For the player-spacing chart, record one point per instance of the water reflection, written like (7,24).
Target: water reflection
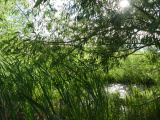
(122,89)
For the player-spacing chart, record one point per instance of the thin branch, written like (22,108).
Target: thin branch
(140,9)
(23,12)
(149,101)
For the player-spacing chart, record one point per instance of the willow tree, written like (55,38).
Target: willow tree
(109,31)
(42,51)
(100,28)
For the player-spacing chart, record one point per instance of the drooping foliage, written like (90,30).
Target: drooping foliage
(114,32)
(54,61)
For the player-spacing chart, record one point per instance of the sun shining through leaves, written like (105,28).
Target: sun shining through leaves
(124,3)
(79,59)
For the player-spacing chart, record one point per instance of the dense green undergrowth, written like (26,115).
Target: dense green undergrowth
(137,69)
(34,88)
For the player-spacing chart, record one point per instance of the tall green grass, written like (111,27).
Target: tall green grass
(33,89)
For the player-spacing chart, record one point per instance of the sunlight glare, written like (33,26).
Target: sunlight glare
(124,3)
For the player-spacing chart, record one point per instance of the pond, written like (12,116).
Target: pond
(122,89)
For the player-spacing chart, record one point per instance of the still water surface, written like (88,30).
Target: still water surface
(122,89)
